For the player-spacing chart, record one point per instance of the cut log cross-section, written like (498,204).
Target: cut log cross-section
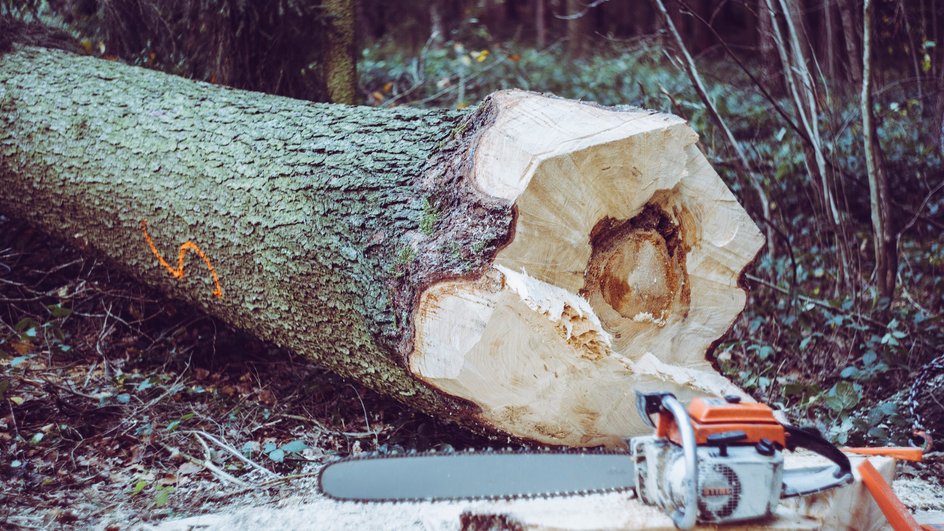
(521,268)
(621,273)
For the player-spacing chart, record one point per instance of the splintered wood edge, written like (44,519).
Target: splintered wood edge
(623,271)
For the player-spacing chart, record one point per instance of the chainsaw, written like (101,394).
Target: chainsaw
(719,461)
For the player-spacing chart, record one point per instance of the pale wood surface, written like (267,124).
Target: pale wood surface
(583,306)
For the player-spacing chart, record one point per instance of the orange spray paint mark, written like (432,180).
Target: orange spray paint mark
(178,272)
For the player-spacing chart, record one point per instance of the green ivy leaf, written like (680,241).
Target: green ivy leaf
(294,447)
(19,360)
(890,340)
(138,487)
(881,412)
(162,496)
(26,323)
(56,310)
(843,396)
(249,448)
(277,455)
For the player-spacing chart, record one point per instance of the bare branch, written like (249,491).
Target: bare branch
(743,164)
(582,12)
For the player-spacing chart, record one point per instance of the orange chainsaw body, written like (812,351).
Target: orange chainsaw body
(719,416)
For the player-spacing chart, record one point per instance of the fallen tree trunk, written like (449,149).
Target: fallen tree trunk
(520,268)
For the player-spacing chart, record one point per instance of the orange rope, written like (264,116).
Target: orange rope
(179,271)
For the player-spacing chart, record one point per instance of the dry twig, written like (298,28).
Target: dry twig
(236,453)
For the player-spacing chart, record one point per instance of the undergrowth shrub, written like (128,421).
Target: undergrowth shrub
(826,351)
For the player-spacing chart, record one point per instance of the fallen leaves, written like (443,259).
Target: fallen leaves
(155,408)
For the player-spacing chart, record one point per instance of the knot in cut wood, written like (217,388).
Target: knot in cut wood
(638,266)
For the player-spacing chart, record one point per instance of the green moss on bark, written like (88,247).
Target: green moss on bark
(304,209)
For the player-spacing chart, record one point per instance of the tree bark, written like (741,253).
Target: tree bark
(884,242)
(828,39)
(540,24)
(851,38)
(519,268)
(576,28)
(765,41)
(340,52)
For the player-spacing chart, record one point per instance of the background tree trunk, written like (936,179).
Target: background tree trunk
(701,36)
(519,269)
(883,235)
(576,27)
(340,55)
(641,19)
(437,32)
(540,23)
(851,38)
(828,41)
(765,40)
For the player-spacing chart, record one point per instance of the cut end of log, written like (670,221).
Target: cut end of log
(540,259)
(622,272)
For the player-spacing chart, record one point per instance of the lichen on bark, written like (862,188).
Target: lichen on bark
(311,213)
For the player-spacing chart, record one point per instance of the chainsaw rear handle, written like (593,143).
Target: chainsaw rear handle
(802,481)
(684,518)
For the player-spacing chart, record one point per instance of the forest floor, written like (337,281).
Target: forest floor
(118,402)
(122,409)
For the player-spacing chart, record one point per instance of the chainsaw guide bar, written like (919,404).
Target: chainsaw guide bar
(476,475)
(719,461)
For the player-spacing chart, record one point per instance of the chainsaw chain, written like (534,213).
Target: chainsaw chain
(369,456)
(934,366)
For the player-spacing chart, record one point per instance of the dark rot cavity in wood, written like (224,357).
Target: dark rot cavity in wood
(638,264)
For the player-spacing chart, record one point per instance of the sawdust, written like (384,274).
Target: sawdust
(310,510)
(920,494)
(604,511)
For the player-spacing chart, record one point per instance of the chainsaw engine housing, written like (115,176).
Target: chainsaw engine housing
(734,482)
